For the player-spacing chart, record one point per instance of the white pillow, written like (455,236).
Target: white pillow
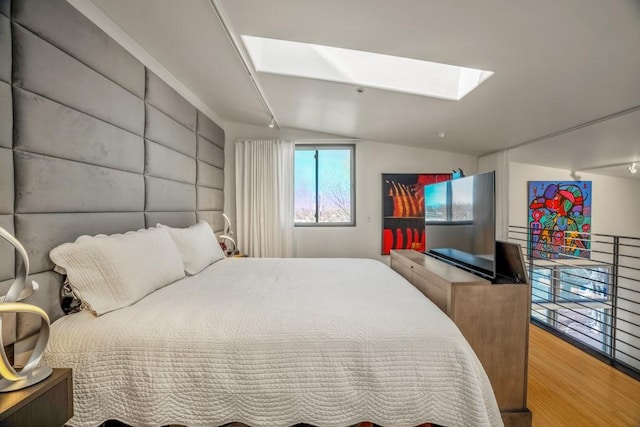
(111,272)
(197,245)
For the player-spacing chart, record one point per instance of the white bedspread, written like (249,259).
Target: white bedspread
(274,342)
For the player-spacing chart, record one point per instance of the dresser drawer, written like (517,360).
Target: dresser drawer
(436,294)
(401,268)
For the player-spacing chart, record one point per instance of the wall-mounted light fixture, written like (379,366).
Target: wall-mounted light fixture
(227,232)
(631,168)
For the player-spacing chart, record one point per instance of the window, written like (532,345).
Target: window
(584,284)
(324,185)
(359,68)
(541,285)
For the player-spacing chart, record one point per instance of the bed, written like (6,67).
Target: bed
(274,342)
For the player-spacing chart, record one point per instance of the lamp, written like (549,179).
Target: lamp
(632,169)
(226,235)
(227,225)
(29,374)
(272,124)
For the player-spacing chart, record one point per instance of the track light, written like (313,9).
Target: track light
(632,169)
(272,124)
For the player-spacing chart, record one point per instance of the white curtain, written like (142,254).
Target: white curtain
(499,162)
(264,198)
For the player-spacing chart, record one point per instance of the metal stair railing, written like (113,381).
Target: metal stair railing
(589,297)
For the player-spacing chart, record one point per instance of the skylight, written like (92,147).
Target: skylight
(360,68)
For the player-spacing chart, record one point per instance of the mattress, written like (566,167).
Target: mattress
(275,342)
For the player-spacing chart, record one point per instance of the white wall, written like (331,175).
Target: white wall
(372,159)
(236,132)
(615,208)
(615,204)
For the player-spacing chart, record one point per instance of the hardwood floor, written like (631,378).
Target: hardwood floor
(568,387)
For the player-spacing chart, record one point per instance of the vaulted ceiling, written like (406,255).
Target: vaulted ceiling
(558,66)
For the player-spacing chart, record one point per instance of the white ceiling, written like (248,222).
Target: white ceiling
(557,65)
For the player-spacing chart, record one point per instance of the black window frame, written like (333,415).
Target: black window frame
(352,165)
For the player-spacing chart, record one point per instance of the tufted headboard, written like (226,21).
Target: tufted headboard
(90,142)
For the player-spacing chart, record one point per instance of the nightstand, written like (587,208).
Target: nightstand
(48,403)
(236,254)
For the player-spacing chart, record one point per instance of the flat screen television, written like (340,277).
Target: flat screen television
(460,222)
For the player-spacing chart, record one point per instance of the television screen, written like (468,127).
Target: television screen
(460,222)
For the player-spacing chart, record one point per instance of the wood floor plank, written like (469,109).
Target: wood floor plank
(568,387)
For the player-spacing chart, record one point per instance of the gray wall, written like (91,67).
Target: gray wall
(91,142)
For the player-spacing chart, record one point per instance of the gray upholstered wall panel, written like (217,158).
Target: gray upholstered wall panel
(4,286)
(6,115)
(39,233)
(169,196)
(48,295)
(73,127)
(163,162)
(62,25)
(46,70)
(210,176)
(164,98)
(5,48)
(171,219)
(210,130)
(214,218)
(5,7)
(164,130)
(6,181)
(210,199)
(46,127)
(49,184)
(7,253)
(210,153)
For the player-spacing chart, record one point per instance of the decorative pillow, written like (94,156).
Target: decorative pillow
(111,272)
(197,245)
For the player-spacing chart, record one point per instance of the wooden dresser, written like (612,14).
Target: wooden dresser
(494,318)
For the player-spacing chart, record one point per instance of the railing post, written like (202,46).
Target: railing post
(530,255)
(614,295)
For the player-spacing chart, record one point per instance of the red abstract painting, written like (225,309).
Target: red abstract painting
(403,210)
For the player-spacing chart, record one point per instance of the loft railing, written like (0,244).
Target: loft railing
(586,288)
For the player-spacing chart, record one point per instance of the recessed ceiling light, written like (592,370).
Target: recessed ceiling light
(441,134)
(364,69)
